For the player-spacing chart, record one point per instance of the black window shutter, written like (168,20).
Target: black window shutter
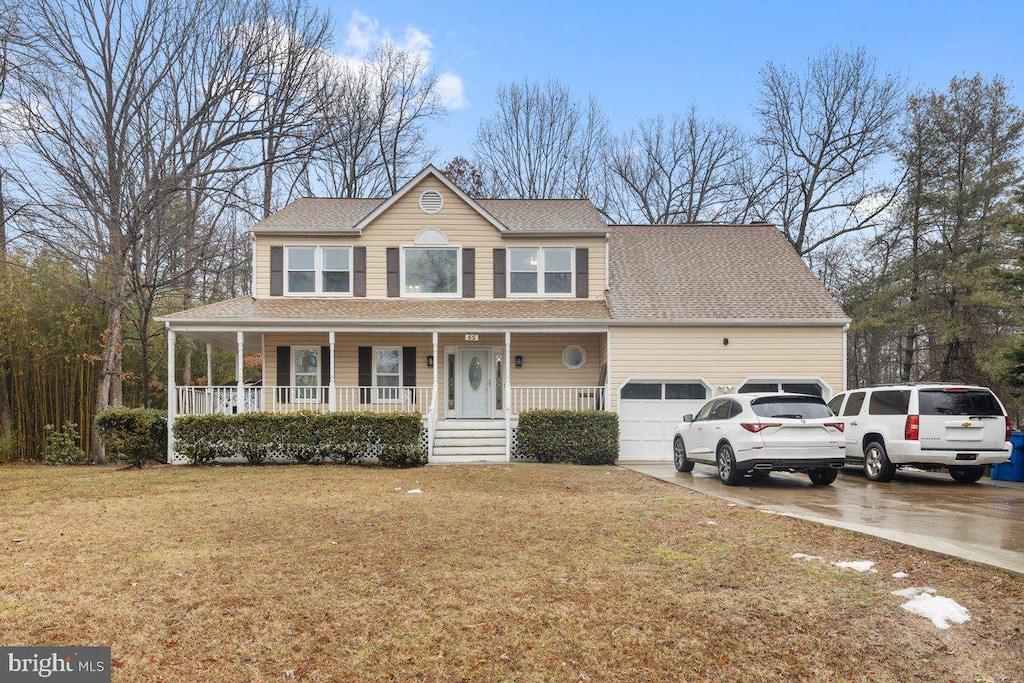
(409,368)
(365,372)
(284,372)
(499,273)
(325,373)
(277,271)
(359,271)
(582,273)
(394,288)
(468,273)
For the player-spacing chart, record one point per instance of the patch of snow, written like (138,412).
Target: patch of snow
(711,522)
(901,575)
(730,505)
(806,558)
(912,592)
(414,491)
(398,488)
(857,566)
(942,611)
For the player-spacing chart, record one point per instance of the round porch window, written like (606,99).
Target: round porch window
(573,357)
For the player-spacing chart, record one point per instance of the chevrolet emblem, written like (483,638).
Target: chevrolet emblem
(965,424)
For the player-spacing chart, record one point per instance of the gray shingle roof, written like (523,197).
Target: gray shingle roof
(395,310)
(722,272)
(518,215)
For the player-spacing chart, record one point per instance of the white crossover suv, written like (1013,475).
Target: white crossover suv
(758,433)
(957,427)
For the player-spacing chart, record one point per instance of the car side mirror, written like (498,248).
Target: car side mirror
(688,417)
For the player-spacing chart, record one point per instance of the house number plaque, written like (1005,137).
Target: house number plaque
(472,337)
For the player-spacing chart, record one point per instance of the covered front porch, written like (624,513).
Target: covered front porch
(469,386)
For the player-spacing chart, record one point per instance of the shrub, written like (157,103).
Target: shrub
(133,434)
(62,445)
(581,437)
(305,436)
(7,448)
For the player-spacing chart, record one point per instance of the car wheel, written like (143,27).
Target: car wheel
(727,470)
(877,466)
(822,476)
(966,475)
(682,463)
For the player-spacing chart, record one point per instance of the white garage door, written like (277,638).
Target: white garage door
(649,411)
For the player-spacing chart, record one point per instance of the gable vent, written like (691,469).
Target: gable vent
(431,201)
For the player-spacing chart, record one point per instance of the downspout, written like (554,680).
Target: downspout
(846,329)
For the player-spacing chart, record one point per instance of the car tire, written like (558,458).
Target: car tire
(877,466)
(822,476)
(679,459)
(968,474)
(726,461)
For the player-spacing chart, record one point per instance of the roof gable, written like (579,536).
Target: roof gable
(429,171)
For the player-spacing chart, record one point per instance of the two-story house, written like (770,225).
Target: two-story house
(470,311)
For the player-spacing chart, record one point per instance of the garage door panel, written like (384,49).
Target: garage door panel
(646,426)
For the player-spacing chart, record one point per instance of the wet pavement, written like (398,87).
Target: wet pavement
(982,522)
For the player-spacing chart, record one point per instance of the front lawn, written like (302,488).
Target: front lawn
(499,573)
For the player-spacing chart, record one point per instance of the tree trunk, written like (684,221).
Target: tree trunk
(6,414)
(108,386)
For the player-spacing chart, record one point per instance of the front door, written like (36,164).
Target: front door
(475,383)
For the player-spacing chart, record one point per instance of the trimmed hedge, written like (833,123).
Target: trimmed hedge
(304,436)
(133,434)
(580,437)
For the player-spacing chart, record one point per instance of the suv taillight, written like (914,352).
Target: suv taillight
(1007,437)
(912,430)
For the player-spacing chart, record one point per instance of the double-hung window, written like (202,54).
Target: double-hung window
(387,373)
(306,373)
(540,270)
(318,270)
(431,270)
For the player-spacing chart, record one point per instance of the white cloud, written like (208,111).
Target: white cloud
(449,87)
(363,33)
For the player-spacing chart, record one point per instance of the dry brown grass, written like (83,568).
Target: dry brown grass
(503,573)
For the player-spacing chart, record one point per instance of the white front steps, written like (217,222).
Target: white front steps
(469,441)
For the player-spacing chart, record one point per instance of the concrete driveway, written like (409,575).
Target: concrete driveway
(983,522)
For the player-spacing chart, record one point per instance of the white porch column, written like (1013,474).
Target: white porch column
(332,398)
(209,365)
(507,392)
(437,361)
(172,395)
(608,370)
(240,372)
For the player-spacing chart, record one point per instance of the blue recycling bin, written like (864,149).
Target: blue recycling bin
(1013,470)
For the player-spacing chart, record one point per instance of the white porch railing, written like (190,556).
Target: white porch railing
(558,398)
(217,400)
(282,400)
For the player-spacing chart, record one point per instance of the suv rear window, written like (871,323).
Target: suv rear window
(790,406)
(889,403)
(970,402)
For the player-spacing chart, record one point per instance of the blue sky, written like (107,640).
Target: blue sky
(659,57)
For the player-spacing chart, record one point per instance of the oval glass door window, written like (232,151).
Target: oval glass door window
(476,373)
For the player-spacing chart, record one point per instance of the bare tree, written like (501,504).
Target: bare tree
(679,171)
(822,131)
(541,143)
(407,101)
(117,90)
(290,86)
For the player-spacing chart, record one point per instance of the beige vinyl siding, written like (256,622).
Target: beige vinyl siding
(698,352)
(462,225)
(542,356)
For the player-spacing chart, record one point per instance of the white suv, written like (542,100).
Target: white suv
(928,426)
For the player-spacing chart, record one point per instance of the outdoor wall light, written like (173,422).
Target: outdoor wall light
(430,361)
(725,341)
(519,361)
